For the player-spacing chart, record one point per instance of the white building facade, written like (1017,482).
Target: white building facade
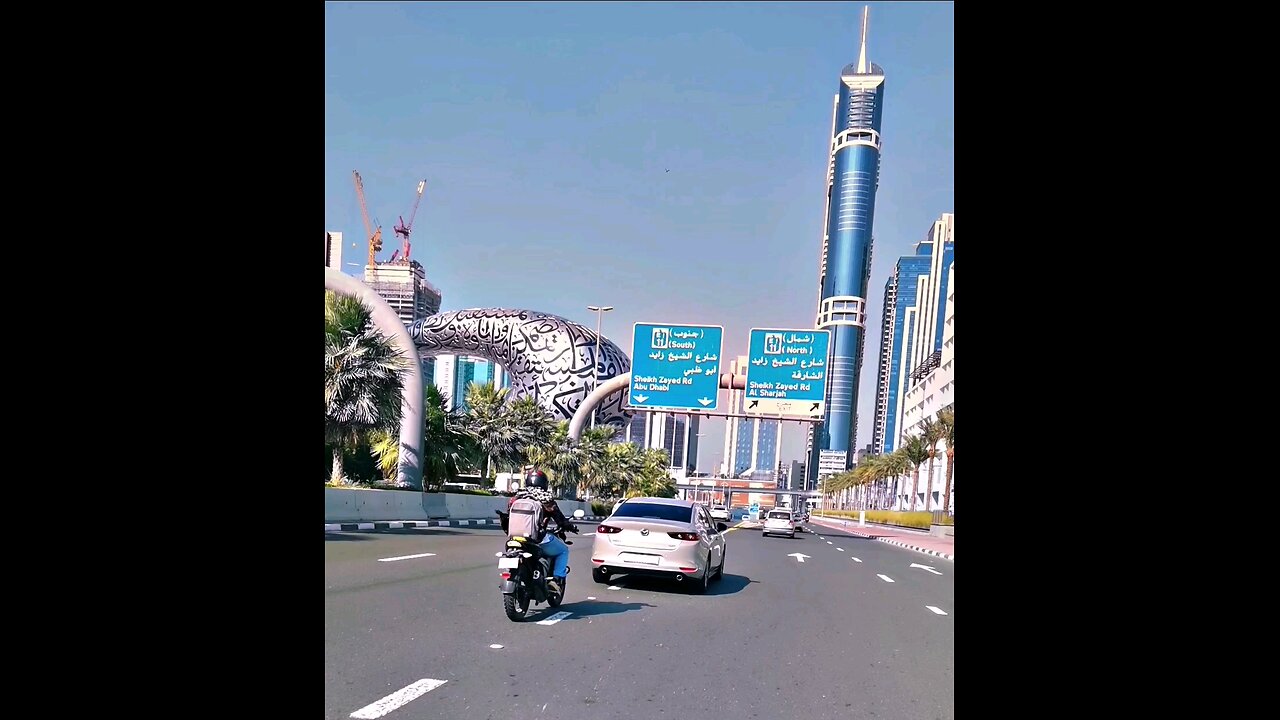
(934,391)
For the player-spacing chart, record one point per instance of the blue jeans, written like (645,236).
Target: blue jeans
(554,547)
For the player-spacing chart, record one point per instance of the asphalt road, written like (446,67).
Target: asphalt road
(775,638)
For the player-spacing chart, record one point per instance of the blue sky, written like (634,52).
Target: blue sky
(545,133)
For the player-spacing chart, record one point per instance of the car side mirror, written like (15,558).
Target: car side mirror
(721,527)
(578,514)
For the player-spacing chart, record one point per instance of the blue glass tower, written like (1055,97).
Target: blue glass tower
(853,175)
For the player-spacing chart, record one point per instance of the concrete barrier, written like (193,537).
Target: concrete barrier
(355,506)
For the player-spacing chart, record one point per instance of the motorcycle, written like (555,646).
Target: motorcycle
(525,571)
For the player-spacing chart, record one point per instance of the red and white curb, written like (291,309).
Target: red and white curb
(896,543)
(402,524)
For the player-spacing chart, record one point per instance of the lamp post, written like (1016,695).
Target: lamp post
(595,373)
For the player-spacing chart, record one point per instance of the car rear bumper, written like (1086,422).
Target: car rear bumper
(669,564)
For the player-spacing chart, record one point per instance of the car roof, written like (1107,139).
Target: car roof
(663,501)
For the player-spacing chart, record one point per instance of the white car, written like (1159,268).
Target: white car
(659,537)
(720,512)
(779,522)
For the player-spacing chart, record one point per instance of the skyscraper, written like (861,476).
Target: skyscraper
(405,288)
(853,176)
(454,373)
(333,250)
(915,302)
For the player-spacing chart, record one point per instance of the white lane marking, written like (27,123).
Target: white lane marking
(496,646)
(406,557)
(555,618)
(840,549)
(936,611)
(856,560)
(885,578)
(829,542)
(397,699)
(614,587)
(925,567)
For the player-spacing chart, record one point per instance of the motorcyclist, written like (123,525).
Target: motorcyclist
(535,488)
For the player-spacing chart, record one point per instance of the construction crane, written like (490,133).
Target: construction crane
(375,236)
(404,228)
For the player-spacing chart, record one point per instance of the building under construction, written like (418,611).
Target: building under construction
(405,288)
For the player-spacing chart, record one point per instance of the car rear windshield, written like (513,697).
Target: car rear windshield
(655,511)
(779,516)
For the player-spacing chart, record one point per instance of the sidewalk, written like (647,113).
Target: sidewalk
(920,541)
(400,524)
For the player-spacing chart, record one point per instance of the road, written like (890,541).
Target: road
(827,637)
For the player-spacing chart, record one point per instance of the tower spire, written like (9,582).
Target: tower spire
(862,54)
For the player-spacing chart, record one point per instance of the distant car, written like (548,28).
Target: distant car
(660,537)
(779,522)
(720,512)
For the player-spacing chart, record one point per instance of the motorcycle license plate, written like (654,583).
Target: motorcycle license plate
(508,562)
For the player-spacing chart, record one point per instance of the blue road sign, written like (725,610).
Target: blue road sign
(675,367)
(787,372)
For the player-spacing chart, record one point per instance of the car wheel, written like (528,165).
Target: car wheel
(720,570)
(705,582)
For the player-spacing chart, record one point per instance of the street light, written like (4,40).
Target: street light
(595,374)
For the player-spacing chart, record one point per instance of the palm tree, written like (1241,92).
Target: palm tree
(931,433)
(894,465)
(363,377)
(915,451)
(623,463)
(655,475)
(446,447)
(947,421)
(505,433)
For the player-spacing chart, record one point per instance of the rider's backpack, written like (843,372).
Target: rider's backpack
(526,520)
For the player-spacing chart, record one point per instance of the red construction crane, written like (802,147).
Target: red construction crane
(375,236)
(403,229)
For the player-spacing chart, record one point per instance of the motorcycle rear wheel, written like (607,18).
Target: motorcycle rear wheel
(516,605)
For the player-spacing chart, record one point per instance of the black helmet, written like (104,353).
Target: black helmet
(536,479)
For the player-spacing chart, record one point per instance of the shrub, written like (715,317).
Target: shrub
(921,520)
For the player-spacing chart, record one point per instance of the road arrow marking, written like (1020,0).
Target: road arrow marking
(798,556)
(639,398)
(705,402)
(885,578)
(925,567)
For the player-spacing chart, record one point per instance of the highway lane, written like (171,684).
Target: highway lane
(777,637)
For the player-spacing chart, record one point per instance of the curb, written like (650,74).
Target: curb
(916,548)
(402,524)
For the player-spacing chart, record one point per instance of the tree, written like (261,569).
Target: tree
(446,448)
(505,433)
(915,452)
(947,421)
(363,377)
(931,433)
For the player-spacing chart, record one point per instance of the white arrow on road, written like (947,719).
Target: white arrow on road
(798,556)
(640,398)
(705,402)
(925,567)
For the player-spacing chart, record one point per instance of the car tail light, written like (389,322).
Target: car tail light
(506,576)
(688,569)
(692,537)
(607,530)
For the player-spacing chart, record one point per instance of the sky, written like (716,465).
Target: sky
(667,159)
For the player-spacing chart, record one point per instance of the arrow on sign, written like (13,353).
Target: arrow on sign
(814,407)
(639,398)
(798,556)
(753,404)
(925,567)
(705,402)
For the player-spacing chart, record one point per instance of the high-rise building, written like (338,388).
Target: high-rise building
(911,343)
(752,443)
(454,373)
(666,431)
(333,250)
(853,176)
(405,288)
